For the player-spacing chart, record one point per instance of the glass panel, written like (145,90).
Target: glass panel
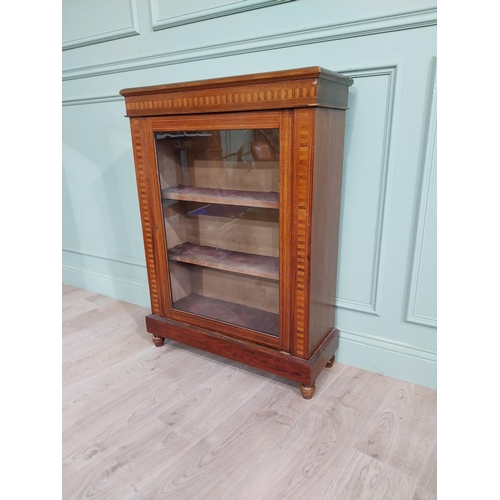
(220,193)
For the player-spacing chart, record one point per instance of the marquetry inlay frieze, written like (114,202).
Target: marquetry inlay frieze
(239,98)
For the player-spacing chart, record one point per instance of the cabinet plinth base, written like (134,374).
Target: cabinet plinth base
(304,371)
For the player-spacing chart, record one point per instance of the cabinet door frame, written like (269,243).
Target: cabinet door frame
(154,229)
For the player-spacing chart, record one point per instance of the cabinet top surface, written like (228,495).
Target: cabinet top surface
(288,89)
(312,72)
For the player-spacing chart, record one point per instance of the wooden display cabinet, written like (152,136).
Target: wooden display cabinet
(239,183)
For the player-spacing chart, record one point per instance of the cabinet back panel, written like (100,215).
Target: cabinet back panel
(245,290)
(253,231)
(251,176)
(181,280)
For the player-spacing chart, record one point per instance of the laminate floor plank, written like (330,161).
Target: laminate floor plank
(124,404)
(91,363)
(67,289)
(365,391)
(217,463)
(203,409)
(111,311)
(148,423)
(94,349)
(362,477)
(303,462)
(76,307)
(70,294)
(102,335)
(427,485)
(404,429)
(126,465)
(103,300)
(145,373)
(90,394)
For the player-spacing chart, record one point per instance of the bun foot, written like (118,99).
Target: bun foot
(330,362)
(158,341)
(307,391)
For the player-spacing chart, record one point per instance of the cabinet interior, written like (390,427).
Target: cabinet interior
(220,196)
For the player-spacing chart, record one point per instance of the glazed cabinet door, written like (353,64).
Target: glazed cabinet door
(221,201)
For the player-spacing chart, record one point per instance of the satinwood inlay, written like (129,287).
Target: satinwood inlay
(294,94)
(142,188)
(302,230)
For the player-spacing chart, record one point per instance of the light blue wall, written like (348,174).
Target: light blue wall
(386,295)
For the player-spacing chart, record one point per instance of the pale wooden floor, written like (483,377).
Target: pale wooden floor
(141,422)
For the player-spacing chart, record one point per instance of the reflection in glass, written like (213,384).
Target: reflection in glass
(220,193)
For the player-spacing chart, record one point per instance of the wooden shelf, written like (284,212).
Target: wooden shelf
(223,196)
(229,312)
(226,260)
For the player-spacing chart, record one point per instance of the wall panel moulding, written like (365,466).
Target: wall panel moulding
(323,33)
(167,14)
(107,20)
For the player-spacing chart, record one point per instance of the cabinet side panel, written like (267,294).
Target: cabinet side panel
(302,192)
(332,94)
(140,155)
(328,157)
